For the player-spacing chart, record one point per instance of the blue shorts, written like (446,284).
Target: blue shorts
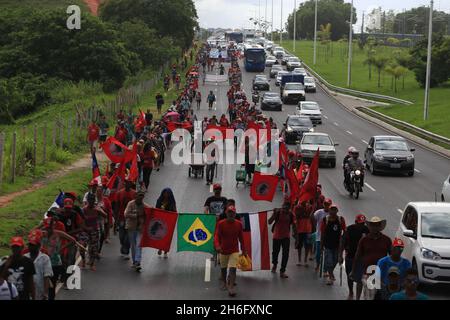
(303,240)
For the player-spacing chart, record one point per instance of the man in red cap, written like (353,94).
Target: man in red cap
(42,265)
(349,244)
(228,236)
(21,270)
(282,220)
(395,259)
(318,217)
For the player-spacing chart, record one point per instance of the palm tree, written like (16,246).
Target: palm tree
(380,63)
(396,72)
(370,61)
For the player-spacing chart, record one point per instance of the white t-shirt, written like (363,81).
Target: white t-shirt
(5,294)
(43,267)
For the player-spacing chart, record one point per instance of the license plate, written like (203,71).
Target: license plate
(396,165)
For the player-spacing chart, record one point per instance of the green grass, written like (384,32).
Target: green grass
(25,212)
(335,72)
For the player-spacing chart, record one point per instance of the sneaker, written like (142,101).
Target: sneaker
(138,268)
(283,275)
(159,252)
(274,269)
(165,256)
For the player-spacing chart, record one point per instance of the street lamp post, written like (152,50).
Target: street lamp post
(350,47)
(315,33)
(281,23)
(427,81)
(271,34)
(295,24)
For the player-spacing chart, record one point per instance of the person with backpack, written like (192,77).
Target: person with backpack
(331,229)
(8,291)
(211,99)
(282,220)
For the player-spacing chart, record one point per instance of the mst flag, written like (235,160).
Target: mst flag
(158,229)
(116,151)
(263,187)
(256,239)
(195,232)
(294,189)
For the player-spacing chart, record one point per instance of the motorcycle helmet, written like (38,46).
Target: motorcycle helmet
(350,150)
(355,153)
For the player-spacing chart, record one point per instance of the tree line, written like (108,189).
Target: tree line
(38,54)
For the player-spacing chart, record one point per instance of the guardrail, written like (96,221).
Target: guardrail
(430,136)
(354,92)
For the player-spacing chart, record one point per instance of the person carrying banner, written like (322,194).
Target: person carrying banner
(282,220)
(166,201)
(228,236)
(304,227)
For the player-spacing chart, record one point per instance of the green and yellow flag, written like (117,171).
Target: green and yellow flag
(196,232)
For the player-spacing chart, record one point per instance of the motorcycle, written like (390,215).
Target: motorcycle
(353,185)
(255,97)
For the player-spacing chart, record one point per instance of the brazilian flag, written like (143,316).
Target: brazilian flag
(196,232)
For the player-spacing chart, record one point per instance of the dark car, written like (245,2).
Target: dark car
(271,101)
(389,154)
(261,83)
(295,127)
(274,70)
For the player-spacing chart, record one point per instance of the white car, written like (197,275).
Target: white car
(310,109)
(310,84)
(279,75)
(445,195)
(425,230)
(312,141)
(300,71)
(270,61)
(292,63)
(293,92)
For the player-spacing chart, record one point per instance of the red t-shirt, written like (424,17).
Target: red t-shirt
(93,132)
(281,230)
(121,134)
(303,220)
(228,235)
(147,159)
(371,250)
(107,207)
(123,197)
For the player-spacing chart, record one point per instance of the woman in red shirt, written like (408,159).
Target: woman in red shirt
(93,134)
(304,223)
(148,157)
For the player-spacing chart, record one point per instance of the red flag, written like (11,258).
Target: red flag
(120,172)
(300,173)
(134,171)
(283,153)
(158,229)
(140,122)
(309,188)
(116,151)
(293,184)
(172,126)
(263,187)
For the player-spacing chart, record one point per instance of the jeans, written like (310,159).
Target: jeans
(210,169)
(123,238)
(146,172)
(330,260)
(277,245)
(318,253)
(135,244)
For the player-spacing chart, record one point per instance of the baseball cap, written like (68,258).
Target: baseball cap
(231,208)
(394,269)
(328,201)
(93,182)
(35,237)
(16,242)
(217,186)
(398,243)
(360,218)
(68,203)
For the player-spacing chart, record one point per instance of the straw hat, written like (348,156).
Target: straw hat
(376,222)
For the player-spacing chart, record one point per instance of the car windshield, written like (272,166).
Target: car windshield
(302,122)
(392,145)
(271,58)
(436,225)
(309,80)
(310,106)
(317,139)
(294,60)
(293,86)
(271,95)
(255,56)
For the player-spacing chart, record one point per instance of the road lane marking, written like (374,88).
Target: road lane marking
(349,132)
(336,124)
(325,117)
(370,187)
(364,141)
(418,171)
(208,270)
(400,210)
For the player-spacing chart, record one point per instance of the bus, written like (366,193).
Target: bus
(236,37)
(255,58)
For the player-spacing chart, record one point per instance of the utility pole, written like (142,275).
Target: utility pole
(362,28)
(271,33)
(384,22)
(295,24)
(259,15)
(350,47)
(315,34)
(281,24)
(265,21)
(427,83)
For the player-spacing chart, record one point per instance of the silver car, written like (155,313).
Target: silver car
(312,141)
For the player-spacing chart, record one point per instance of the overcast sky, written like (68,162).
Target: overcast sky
(236,13)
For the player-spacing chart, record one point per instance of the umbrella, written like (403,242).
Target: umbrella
(172,113)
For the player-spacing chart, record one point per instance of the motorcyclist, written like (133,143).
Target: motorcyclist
(355,163)
(345,164)
(255,97)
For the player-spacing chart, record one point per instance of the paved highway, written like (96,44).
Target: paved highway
(187,275)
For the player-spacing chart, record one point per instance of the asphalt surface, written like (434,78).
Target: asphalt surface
(185,275)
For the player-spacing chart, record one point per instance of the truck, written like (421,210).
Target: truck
(292,89)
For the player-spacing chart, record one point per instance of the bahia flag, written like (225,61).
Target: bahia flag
(96,169)
(256,239)
(58,203)
(158,229)
(195,232)
(309,188)
(263,187)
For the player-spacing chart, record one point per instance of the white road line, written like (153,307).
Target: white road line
(364,141)
(418,171)
(400,210)
(349,132)
(208,270)
(336,124)
(370,187)
(325,117)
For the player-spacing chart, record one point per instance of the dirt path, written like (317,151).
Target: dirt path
(85,162)
(93,5)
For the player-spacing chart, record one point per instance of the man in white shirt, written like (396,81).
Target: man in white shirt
(318,217)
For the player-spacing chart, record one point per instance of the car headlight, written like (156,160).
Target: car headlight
(429,254)
(410,157)
(379,157)
(311,130)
